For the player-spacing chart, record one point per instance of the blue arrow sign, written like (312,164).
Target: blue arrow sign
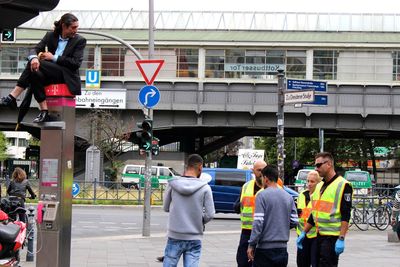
(317,86)
(149,96)
(319,100)
(75,189)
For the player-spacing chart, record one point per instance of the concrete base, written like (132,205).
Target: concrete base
(392,237)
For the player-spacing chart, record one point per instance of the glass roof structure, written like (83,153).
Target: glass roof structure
(211,20)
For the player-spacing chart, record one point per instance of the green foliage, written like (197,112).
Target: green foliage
(3,146)
(34,141)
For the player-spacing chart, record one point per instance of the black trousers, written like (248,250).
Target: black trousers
(326,251)
(48,73)
(273,257)
(241,254)
(307,256)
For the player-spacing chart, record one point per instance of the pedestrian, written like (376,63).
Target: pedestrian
(18,187)
(274,216)
(245,205)
(55,59)
(395,213)
(307,256)
(330,215)
(190,204)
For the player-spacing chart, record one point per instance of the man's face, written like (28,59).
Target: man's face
(322,166)
(257,168)
(71,30)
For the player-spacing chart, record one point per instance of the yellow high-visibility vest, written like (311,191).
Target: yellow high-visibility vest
(247,205)
(326,207)
(305,213)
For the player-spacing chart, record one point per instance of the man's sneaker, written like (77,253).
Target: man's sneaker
(8,101)
(160,259)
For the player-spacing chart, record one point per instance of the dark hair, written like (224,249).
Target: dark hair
(271,172)
(66,19)
(325,155)
(194,160)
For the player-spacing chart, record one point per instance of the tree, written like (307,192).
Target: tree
(3,146)
(110,134)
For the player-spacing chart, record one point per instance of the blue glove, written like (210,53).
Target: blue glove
(339,247)
(299,241)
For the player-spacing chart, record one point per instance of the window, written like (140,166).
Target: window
(396,66)
(187,62)
(22,142)
(88,60)
(244,63)
(13,59)
(230,178)
(12,141)
(296,64)
(132,170)
(215,59)
(325,64)
(112,61)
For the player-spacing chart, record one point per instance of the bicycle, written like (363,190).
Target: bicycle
(362,217)
(382,215)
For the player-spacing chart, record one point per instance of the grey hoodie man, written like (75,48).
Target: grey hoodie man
(190,205)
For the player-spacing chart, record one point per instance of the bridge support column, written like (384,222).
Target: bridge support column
(56,178)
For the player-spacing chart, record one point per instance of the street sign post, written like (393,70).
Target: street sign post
(294,97)
(149,96)
(75,189)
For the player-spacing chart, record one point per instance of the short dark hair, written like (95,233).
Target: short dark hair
(194,160)
(325,155)
(66,19)
(271,172)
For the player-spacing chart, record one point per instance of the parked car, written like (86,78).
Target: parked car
(360,180)
(226,184)
(301,179)
(133,175)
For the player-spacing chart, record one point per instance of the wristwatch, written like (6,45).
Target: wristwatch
(341,237)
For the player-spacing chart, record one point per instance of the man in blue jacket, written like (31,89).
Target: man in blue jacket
(190,204)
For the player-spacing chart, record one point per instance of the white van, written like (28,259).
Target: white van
(133,175)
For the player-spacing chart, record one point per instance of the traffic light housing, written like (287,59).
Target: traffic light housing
(155,147)
(145,136)
(8,36)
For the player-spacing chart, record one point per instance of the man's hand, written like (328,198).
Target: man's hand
(299,241)
(46,56)
(339,247)
(35,64)
(250,253)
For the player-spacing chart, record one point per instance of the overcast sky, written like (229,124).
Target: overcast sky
(347,6)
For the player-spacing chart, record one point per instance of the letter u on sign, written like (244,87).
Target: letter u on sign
(92,78)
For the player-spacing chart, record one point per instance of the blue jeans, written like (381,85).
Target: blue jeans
(191,250)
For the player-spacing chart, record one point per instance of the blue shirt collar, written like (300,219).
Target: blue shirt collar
(62,39)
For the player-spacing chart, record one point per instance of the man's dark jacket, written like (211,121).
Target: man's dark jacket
(70,60)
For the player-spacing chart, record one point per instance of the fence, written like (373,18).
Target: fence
(104,191)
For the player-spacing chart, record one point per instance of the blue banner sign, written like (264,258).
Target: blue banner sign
(319,100)
(317,86)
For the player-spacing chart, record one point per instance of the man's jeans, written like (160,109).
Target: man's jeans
(191,250)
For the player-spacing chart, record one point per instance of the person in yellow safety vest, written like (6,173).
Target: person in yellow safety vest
(245,205)
(331,207)
(307,257)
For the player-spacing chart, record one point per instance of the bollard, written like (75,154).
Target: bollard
(30,256)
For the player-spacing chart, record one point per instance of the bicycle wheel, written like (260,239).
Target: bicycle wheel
(381,218)
(360,219)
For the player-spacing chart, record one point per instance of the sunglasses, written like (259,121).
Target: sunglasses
(317,165)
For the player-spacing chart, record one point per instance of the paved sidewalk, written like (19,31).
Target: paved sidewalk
(219,249)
